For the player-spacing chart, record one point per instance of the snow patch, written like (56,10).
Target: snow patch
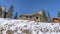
(27,26)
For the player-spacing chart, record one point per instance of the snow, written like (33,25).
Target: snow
(32,27)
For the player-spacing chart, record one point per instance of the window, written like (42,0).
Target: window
(36,17)
(30,16)
(20,16)
(26,16)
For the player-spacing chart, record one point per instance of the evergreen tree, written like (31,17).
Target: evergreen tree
(48,16)
(0,11)
(16,16)
(59,16)
(9,15)
(5,13)
(44,16)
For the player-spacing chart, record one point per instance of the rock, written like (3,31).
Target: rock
(9,32)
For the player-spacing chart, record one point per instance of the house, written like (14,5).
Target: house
(55,20)
(34,17)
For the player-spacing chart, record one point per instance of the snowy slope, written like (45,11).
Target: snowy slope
(28,27)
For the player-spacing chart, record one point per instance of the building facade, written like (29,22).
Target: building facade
(34,17)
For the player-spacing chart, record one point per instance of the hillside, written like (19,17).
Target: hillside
(11,26)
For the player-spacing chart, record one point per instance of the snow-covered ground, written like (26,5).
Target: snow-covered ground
(11,26)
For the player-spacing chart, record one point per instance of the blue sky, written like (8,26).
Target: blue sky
(31,6)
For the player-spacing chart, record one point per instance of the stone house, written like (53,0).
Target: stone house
(34,17)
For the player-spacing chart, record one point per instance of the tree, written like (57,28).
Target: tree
(58,16)
(9,15)
(0,11)
(5,13)
(44,16)
(16,16)
(48,16)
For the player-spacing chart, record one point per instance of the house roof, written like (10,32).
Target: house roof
(41,13)
(55,18)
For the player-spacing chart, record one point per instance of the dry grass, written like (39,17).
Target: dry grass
(9,32)
(26,31)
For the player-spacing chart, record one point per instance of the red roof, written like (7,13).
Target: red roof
(55,18)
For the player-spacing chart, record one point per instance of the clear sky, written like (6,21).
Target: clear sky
(31,6)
